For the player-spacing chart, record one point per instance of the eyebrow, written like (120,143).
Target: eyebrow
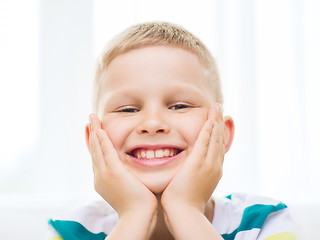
(187,89)
(134,93)
(127,92)
(112,97)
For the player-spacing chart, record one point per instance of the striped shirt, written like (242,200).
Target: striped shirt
(236,217)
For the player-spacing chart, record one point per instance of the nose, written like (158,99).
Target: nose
(153,123)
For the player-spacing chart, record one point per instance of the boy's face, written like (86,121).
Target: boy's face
(154,102)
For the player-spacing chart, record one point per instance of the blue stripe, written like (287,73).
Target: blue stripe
(70,230)
(254,217)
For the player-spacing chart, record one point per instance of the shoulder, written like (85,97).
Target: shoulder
(244,216)
(90,221)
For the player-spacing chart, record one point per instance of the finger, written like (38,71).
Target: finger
(94,122)
(95,148)
(200,147)
(96,152)
(109,153)
(93,126)
(215,152)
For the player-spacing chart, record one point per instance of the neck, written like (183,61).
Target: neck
(161,231)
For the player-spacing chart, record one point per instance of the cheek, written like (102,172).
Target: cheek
(117,129)
(190,125)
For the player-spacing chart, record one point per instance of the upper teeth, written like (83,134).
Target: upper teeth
(150,154)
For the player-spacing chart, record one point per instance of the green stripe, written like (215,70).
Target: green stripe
(229,196)
(254,217)
(70,230)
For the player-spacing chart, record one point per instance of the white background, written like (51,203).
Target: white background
(268,56)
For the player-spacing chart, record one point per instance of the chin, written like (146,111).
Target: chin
(156,184)
(156,188)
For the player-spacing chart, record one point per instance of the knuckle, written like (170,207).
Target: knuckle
(219,139)
(205,140)
(201,166)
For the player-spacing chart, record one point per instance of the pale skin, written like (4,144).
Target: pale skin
(153,201)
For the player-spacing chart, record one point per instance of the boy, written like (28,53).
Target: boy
(158,147)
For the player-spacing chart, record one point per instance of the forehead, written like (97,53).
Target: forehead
(155,67)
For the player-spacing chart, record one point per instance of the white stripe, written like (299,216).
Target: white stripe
(228,213)
(249,234)
(96,217)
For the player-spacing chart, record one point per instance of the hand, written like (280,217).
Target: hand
(114,182)
(195,182)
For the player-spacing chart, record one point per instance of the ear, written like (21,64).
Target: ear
(87,136)
(228,131)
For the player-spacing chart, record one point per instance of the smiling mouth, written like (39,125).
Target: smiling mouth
(149,154)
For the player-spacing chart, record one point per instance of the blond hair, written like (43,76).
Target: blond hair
(155,34)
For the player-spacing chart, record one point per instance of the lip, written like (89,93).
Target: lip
(155,162)
(153,147)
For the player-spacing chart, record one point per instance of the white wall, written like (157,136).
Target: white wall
(47,96)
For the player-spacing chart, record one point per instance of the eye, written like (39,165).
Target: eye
(178,106)
(127,109)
